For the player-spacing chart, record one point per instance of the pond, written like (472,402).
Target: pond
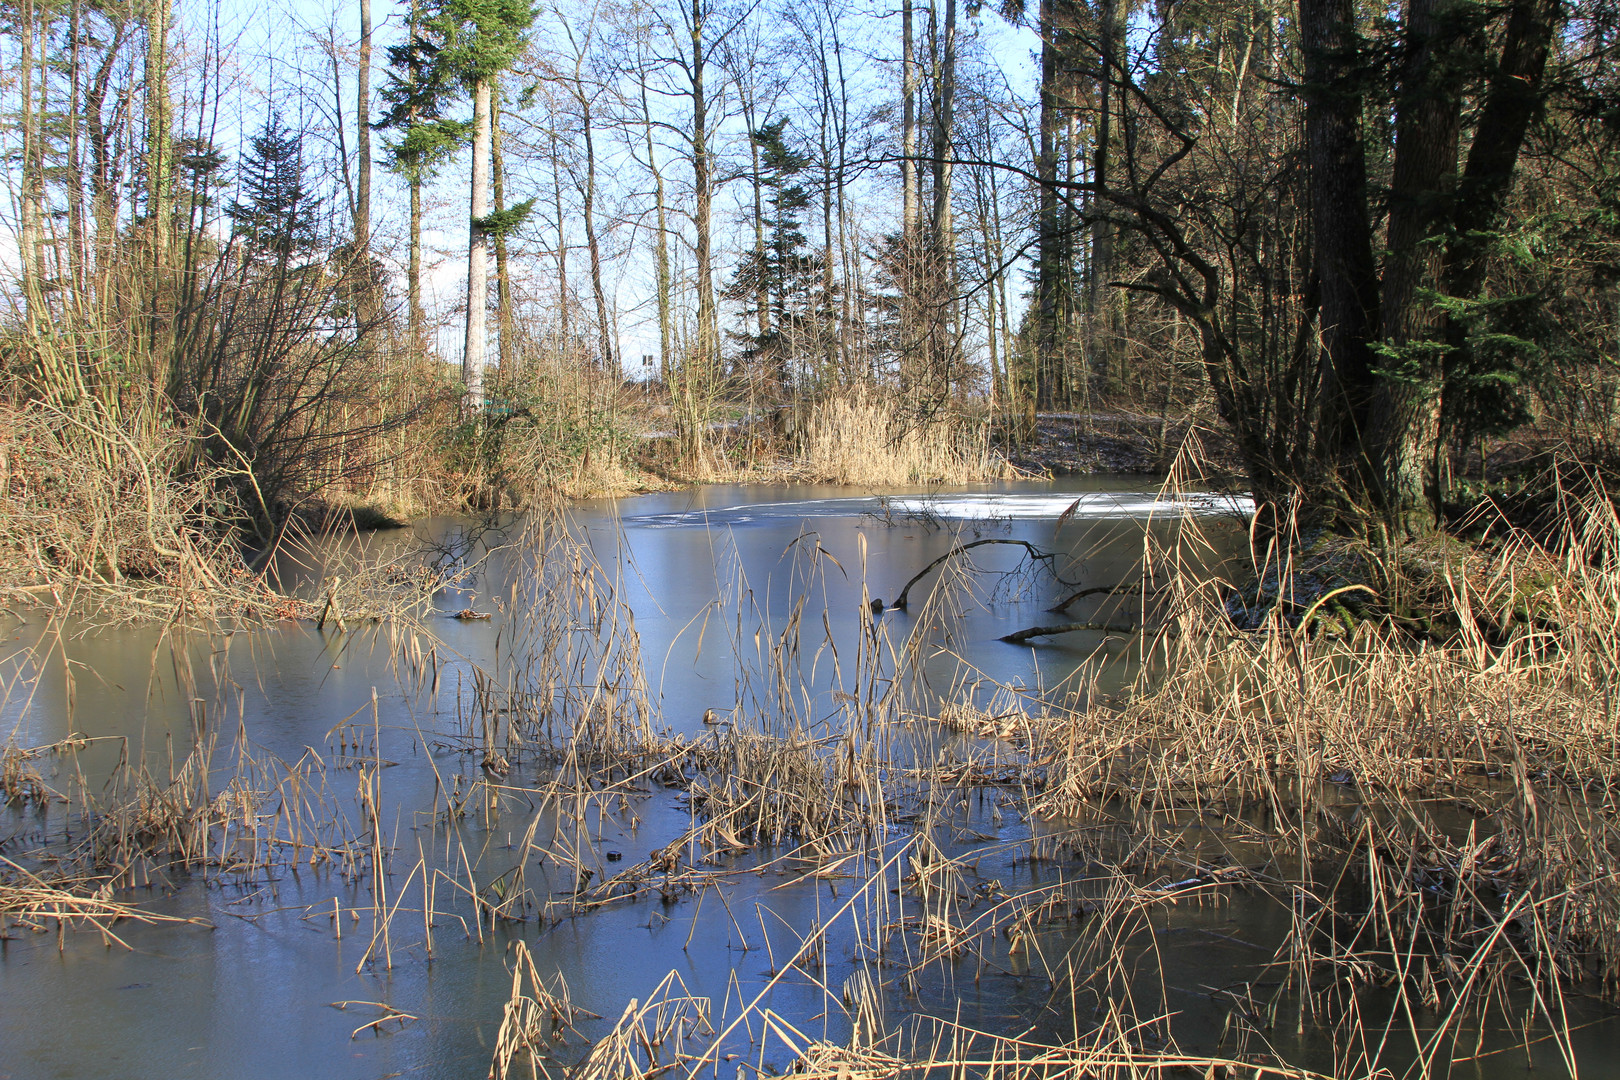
(399,805)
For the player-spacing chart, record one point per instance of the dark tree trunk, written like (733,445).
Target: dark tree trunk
(1346,273)
(1404,429)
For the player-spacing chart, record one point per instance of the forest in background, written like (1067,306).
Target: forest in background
(1367,243)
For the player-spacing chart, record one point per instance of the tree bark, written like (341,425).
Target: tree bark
(1051,273)
(506,343)
(1346,272)
(362,126)
(472,359)
(29,200)
(159,134)
(661,251)
(706,355)
(908,124)
(604,324)
(1405,427)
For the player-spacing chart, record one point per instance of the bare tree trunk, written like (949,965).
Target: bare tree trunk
(908,122)
(159,133)
(1405,427)
(705,357)
(506,345)
(661,252)
(362,138)
(30,228)
(563,306)
(1051,270)
(604,324)
(944,314)
(78,252)
(1345,270)
(472,359)
(416,316)
(708,345)
(362,201)
(103,184)
(828,342)
(1102,237)
(762,301)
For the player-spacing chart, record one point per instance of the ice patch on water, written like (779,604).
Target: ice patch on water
(986,506)
(1096,504)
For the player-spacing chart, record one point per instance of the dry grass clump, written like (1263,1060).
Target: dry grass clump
(31,902)
(861,438)
(567,682)
(88,501)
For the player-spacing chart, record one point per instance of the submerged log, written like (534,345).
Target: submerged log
(1021,636)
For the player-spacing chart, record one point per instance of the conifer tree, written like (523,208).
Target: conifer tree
(781,271)
(422,138)
(276,215)
(478,40)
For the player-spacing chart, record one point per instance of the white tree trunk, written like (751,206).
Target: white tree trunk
(472,359)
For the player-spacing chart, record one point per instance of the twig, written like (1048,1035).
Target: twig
(1035,553)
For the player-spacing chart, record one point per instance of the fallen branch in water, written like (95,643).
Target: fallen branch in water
(1121,589)
(1035,554)
(1022,636)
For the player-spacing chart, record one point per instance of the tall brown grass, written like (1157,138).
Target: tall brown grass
(861,437)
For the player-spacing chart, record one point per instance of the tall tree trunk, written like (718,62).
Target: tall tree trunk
(604,324)
(472,359)
(362,201)
(78,249)
(828,341)
(103,184)
(707,354)
(1405,427)
(943,312)
(416,316)
(1051,273)
(1102,236)
(506,344)
(1513,97)
(563,306)
(29,208)
(159,131)
(908,121)
(944,121)
(661,252)
(762,300)
(1346,273)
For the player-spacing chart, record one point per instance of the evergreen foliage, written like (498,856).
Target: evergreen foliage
(276,216)
(783,271)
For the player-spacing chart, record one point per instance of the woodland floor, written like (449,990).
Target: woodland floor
(1114,442)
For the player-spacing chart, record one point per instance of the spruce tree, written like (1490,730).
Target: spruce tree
(421,138)
(782,270)
(477,41)
(276,216)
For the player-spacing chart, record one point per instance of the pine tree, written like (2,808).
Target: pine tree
(422,138)
(276,217)
(782,271)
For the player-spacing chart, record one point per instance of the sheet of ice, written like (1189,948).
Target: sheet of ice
(1096,504)
(986,506)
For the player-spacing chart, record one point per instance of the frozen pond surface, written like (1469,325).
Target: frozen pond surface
(708,574)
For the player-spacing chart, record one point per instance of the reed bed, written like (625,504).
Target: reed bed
(864,439)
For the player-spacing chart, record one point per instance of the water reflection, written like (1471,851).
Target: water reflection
(712,577)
